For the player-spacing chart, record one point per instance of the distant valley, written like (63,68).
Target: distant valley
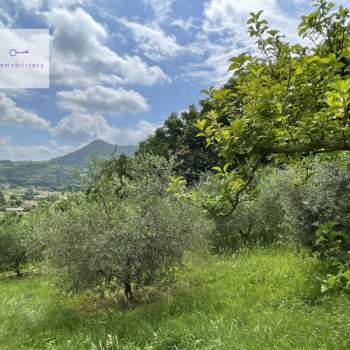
(58,173)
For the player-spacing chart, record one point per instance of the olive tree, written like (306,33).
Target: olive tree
(12,249)
(126,231)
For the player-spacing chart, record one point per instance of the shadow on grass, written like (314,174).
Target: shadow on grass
(10,277)
(61,317)
(197,297)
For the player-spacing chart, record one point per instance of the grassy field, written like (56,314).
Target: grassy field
(19,191)
(266,299)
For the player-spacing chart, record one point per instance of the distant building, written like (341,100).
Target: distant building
(40,197)
(29,205)
(15,210)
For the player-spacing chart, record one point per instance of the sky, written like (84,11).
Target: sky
(119,68)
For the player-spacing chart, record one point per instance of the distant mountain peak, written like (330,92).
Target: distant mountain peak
(58,173)
(98,148)
(99,141)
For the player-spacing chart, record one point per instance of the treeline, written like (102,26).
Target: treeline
(178,139)
(39,174)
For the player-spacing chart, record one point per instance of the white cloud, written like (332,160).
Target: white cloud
(134,71)
(162,8)
(100,99)
(79,128)
(231,16)
(80,51)
(143,129)
(4,140)
(152,40)
(11,114)
(40,5)
(309,3)
(6,17)
(17,93)
(184,24)
(223,35)
(213,69)
(52,149)
(85,127)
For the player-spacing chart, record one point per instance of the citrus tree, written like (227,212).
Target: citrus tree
(285,102)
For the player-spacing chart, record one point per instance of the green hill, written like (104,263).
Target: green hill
(59,172)
(99,149)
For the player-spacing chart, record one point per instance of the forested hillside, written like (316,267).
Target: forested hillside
(59,173)
(98,149)
(29,174)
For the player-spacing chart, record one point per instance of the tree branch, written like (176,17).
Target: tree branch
(236,199)
(316,147)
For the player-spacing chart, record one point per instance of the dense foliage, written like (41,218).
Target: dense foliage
(12,248)
(29,194)
(43,174)
(288,100)
(127,231)
(2,199)
(285,102)
(305,205)
(177,139)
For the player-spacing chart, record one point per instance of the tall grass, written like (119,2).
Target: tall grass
(262,299)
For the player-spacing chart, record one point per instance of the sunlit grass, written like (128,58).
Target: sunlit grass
(266,299)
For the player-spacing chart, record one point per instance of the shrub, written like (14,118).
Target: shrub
(2,199)
(126,232)
(258,219)
(283,204)
(306,204)
(324,197)
(29,194)
(334,247)
(12,250)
